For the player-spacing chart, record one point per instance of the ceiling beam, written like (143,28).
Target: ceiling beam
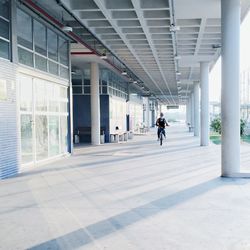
(145,29)
(108,16)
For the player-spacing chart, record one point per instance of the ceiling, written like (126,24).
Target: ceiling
(139,33)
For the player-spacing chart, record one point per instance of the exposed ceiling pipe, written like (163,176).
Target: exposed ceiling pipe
(128,70)
(173,34)
(30,4)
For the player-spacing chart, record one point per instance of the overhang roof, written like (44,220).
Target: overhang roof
(138,32)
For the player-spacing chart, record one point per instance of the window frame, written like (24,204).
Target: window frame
(38,19)
(9,35)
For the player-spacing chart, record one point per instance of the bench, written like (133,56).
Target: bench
(119,136)
(84,133)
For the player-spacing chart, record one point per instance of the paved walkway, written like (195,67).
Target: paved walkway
(134,195)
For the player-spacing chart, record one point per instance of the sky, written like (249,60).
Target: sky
(215,74)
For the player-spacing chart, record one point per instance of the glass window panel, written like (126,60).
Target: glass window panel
(41,95)
(63,51)
(77,82)
(52,45)
(26,139)
(41,137)
(86,82)
(53,95)
(86,90)
(64,72)
(63,107)
(5,8)
(53,68)
(53,135)
(4,49)
(25,57)
(25,93)
(77,90)
(104,90)
(64,134)
(63,92)
(24,29)
(40,38)
(40,63)
(4,29)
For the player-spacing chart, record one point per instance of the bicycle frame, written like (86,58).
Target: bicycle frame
(161,136)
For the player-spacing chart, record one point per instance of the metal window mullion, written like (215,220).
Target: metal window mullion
(4,39)
(47,48)
(33,41)
(4,18)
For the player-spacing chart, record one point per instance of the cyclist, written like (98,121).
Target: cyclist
(161,123)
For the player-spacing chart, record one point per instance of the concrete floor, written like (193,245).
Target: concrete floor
(134,195)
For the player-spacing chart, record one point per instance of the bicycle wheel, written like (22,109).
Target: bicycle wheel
(161,139)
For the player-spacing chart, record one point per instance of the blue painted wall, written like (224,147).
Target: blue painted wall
(82,114)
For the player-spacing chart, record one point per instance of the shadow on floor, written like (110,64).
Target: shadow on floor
(89,234)
(108,161)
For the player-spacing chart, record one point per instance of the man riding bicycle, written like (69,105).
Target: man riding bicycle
(161,123)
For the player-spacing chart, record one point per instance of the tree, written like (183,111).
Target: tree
(242,126)
(216,125)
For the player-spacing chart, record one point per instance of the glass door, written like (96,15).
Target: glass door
(26,120)
(43,120)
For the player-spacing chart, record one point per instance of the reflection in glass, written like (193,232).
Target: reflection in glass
(63,51)
(63,92)
(63,107)
(5,8)
(40,38)
(25,57)
(24,29)
(53,95)
(64,134)
(53,68)
(41,95)
(64,72)
(52,45)
(40,63)
(41,137)
(53,135)
(25,93)
(4,49)
(4,29)
(26,139)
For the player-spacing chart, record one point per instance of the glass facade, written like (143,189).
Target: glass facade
(110,84)
(5,29)
(34,50)
(44,119)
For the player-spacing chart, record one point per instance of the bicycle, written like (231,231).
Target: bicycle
(161,136)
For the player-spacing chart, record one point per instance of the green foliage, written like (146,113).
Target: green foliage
(216,125)
(242,126)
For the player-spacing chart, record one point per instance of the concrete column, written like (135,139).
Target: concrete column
(148,113)
(196,110)
(192,109)
(95,104)
(188,111)
(230,93)
(204,75)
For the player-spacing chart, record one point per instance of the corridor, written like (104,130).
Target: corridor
(134,195)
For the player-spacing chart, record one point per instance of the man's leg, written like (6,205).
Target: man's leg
(158,133)
(164,132)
